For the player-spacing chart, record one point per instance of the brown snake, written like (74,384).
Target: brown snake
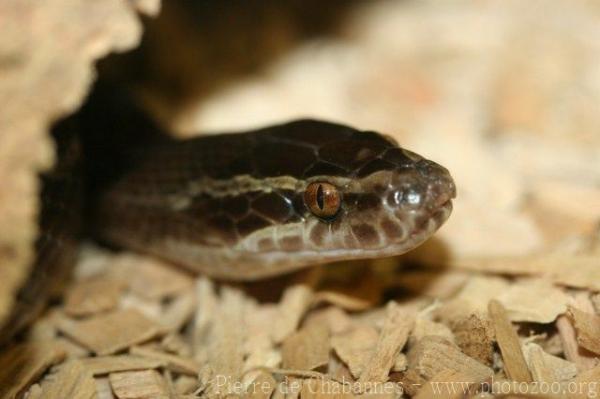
(245,206)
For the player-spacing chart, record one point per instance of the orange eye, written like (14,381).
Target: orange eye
(323,199)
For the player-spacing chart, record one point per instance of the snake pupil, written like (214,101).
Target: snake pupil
(323,199)
(320,196)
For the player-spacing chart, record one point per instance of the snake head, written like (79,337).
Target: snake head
(390,200)
(250,205)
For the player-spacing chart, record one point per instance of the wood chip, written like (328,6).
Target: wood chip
(355,347)
(324,389)
(138,385)
(109,333)
(174,363)
(587,326)
(71,381)
(226,341)
(307,349)
(152,279)
(397,326)
(101,365)
(434,355)
(93,296)
(572,270)
(342,300)
(515,365)
(259,346)
(206,310)
(179,311)
(72,349)
(474,335)
(261,386)
(185,384)
(23,363)
(295,302)
(585,385)
(546,368)
(449,384)
(424,326)
(583,358)
(334,318)
(522,301)
(103,388)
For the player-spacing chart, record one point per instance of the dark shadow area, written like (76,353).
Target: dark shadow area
(193,48)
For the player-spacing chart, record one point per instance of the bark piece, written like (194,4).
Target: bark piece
(138,385)
(36,89)
(509,343)
(397,326)
(109,333)
(22,364)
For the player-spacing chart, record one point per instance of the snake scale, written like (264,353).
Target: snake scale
(237,206)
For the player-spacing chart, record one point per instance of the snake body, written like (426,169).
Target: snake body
(239,206)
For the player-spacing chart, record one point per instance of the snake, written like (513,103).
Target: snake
(238,206)
(251,205)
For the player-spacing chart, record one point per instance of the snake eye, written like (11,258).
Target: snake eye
(323,199)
